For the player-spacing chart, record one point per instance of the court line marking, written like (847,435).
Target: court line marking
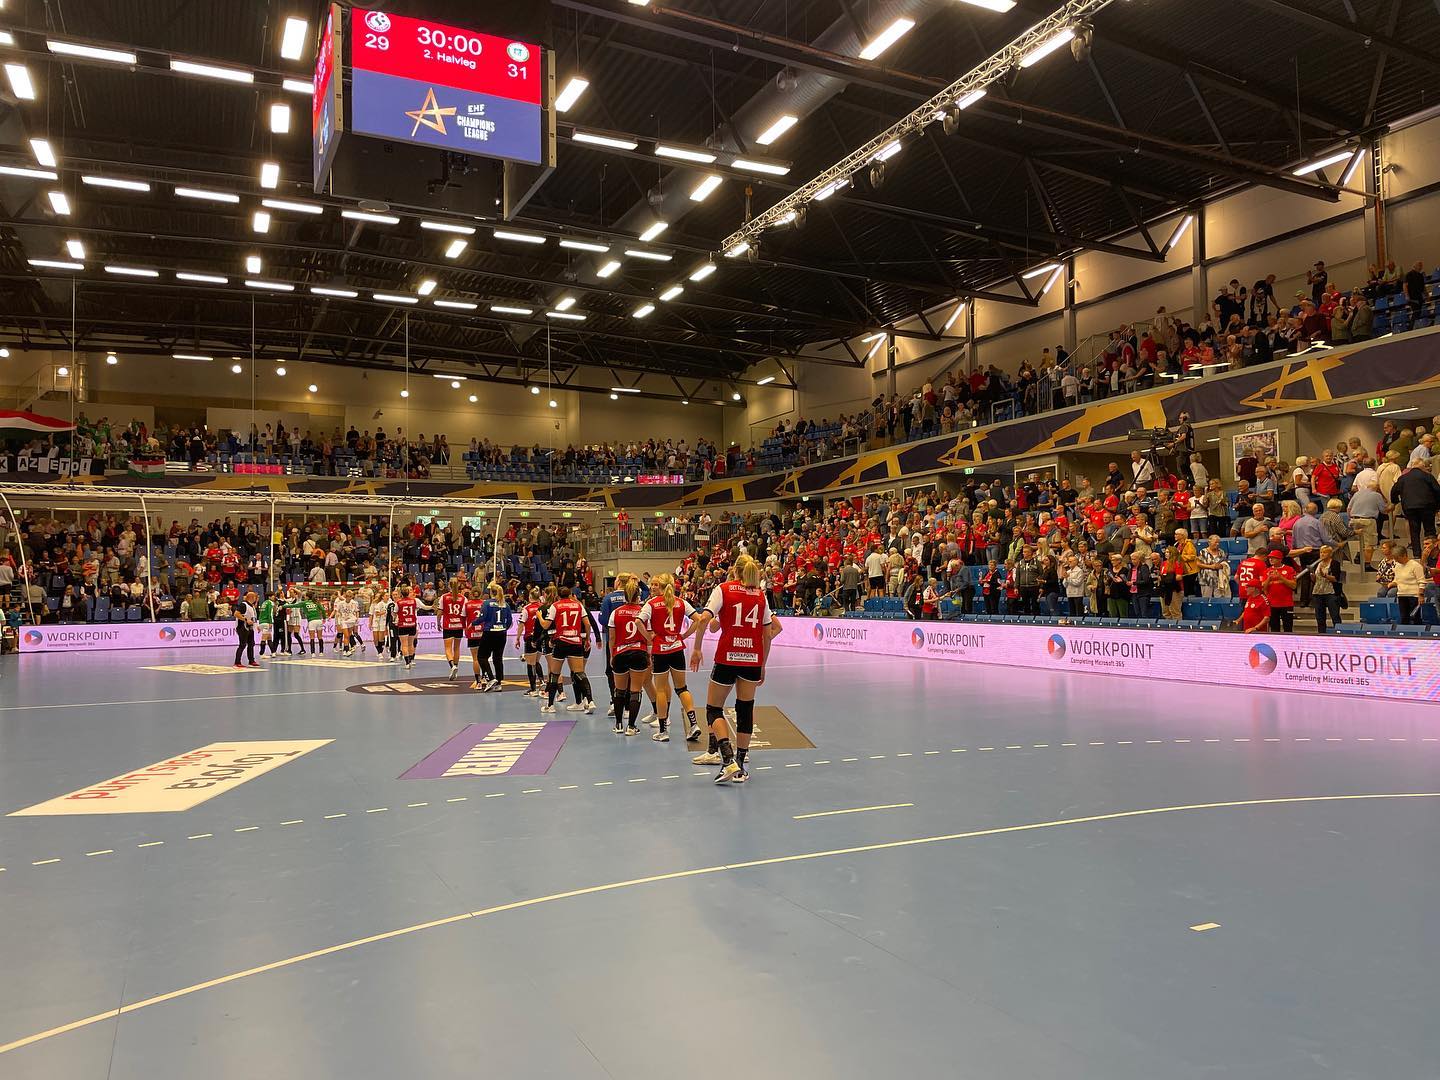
(761,768)
(677,875)
(169,700)
(856,810)
(1202,927)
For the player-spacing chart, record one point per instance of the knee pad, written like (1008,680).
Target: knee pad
(745,717)
(713,713)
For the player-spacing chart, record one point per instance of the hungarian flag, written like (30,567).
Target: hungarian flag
(140,467)
(10,420)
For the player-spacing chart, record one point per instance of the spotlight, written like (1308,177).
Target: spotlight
(877,175)
(1081,42)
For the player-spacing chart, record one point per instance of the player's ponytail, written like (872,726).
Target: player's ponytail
(747,571)
(496,593)
(632,590)
(666,584)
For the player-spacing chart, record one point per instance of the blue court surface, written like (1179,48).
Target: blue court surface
(977,872)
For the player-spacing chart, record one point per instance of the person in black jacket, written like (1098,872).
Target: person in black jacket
(1418,495)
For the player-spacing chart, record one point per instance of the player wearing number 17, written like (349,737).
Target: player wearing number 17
(740,614)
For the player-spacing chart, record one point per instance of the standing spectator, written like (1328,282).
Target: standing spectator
(1418,494)
(1318,279)
(1325,590)
(1280,586)
(1409,586)
(1414,286)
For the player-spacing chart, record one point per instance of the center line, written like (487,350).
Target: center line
(378,810)
(107,851)
(294,821)
(850,759)
(672,776)
(201,836)
(904,755)
(459,798)
(496,795)
(152,843)
(601,783)
(248,828)
(931,753)
(44,862)
(638,780)
(572,787)
(329,816)
(857,810)
(413,805)
(876,757)
(532,791)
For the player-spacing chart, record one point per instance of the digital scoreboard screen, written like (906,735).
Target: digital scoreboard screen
(327,115)
(433,85)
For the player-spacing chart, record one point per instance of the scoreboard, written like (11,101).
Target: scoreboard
(438,86)
(327,112)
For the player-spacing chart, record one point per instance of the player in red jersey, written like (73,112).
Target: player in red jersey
(568,624)
(474,634)
(407,617)
(451,607)
(529,639)
(630,637)
(668,615)
(738,612)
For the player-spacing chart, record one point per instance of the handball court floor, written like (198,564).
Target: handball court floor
(1021,887)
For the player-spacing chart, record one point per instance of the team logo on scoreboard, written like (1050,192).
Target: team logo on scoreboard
(377,21)
(430,114)
(518,51)
(1263,659)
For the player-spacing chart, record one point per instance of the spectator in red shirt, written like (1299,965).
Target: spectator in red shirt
(1325,476)
(1281,581)
(1256,613)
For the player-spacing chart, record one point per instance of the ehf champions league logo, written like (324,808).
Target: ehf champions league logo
(1263,659)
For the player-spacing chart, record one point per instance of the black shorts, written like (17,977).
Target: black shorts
(448,634)
(626,662)
(405,631)
(877,583)
(534,644)
(563,650)
(474,643)
(668,661)
(727,674)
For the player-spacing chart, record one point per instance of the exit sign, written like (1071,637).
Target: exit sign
(1375,403)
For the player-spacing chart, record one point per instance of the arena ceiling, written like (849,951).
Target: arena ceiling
(1176,100)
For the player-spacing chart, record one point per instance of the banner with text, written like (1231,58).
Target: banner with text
(92,637)
(1362,667)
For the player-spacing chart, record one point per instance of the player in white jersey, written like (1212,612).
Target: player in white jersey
(380,622)
(347,616)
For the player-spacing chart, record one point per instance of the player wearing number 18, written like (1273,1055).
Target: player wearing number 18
(740,614)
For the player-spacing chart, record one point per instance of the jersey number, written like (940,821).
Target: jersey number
(750,619)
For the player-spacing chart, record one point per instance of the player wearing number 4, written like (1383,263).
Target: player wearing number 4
(629,636)
(740,614)
(668,614)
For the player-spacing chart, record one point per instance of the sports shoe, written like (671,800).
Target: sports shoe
(577,707)
(710,757)
(632,730)
(589,708)
(495,686)
(728,772)
(740,777)
(547,708)
(478,685)
(454,671)
(619,729)
(239,665)
(661,736)
(253,664)
(694,735)
(650,721)
(610,711)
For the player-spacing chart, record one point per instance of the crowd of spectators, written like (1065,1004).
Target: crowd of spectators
(1294,536)
(100,569)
